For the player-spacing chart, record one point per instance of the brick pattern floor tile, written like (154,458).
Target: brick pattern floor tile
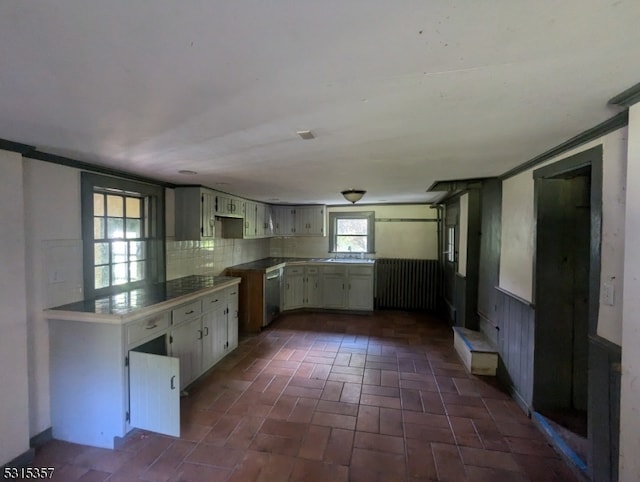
(324,396)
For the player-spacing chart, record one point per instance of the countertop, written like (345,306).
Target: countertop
(266,264)
(136,303)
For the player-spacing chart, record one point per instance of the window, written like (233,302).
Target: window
(123,234)
(352,232)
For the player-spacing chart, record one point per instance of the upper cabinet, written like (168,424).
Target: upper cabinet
(197,207)
(195,213)
(228,205)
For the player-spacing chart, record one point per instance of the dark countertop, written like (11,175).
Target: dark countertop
(265,263)
(137,299)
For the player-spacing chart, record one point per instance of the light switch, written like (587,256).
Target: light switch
(608,294)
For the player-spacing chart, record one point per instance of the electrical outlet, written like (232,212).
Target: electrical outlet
(608,294)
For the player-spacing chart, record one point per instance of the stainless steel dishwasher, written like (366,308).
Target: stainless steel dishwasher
(272,293)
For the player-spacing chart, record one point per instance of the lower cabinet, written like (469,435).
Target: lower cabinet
(109,376)
(301,287)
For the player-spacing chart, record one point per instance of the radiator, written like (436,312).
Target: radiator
(407,284)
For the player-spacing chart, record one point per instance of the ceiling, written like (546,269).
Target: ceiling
(398,94)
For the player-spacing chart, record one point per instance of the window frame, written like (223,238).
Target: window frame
(154,214)
(333,230)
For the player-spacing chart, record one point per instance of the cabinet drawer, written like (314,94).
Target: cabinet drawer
(213,301)
(139,330)
(294,270)
(361,270)
(185,312)
(312,270)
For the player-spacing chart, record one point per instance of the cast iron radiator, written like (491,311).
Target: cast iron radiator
(407,284)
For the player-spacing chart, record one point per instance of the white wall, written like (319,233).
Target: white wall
(630,383)
(518,230)
(463,231)
(14,390)
(410,239)
(54,266)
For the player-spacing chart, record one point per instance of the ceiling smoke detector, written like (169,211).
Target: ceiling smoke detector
(306,135)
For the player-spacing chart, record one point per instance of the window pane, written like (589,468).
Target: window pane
(98,228)
(352,226)
(136,271)
(133,228)
(119,252)
(101,277)
(351,244)
(136,250)
(98,204)
(119,273)
(115,206)
(133,207)
(101,254)
(115,228)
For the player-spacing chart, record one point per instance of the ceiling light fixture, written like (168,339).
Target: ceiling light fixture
(187,172)
(306,135)
(353,195)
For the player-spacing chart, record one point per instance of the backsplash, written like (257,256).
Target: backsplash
(185,258)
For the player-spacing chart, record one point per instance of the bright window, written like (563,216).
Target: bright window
(123,234)
(352,232)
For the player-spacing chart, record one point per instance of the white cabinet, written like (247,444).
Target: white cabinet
(312,287)
(228,205)
(347,287)
(310,221)
(250,219)
(283,221)
(194,213)
(293,287)
(360,288)
(111,373)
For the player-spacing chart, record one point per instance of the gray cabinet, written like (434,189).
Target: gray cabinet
(310,221)
(228,205)
(360,288)
(333,280)
(113,373)
(293,288)
(194,213)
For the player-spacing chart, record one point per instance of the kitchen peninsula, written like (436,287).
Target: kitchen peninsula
(120,362)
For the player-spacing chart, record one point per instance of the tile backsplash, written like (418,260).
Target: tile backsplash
(185,258)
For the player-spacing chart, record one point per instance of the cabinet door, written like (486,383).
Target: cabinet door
(333,290)
(186,344)
(268,220)
(284,221)
(250,219)
(154,393)
(360,289)
(232,319)
(220,333)
(208,340)
(312,296)
(293,288)
(316,217)
(208,215)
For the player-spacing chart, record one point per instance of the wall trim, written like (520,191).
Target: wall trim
(627,98)
(516,297)
(41,438)
(7,145)
(610,125)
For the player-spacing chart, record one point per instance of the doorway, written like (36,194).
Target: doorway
(564,298)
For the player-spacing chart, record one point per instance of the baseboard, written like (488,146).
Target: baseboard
(21,460)
(41,438)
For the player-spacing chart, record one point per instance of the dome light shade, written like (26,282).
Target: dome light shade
(353,195)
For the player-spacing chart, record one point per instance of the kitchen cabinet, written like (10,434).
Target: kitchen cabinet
(310,221)
(112,365)
(228,205)
(264,220)
(194,213)
(294,285)
(301,287)
(250,219)
(283,221)
(347,287)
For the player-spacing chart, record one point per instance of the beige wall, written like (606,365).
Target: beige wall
(14,392)
(409,239)
(518,230)
(630,382)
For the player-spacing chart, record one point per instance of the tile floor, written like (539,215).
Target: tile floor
(333,397)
